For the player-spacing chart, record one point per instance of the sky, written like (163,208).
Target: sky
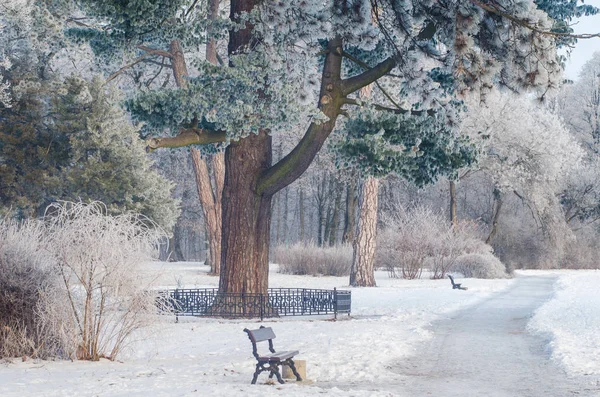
(585,48)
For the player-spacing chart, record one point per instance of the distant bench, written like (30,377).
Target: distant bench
(270,362)
(455,285)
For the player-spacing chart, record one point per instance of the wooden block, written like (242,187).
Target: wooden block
(300,367)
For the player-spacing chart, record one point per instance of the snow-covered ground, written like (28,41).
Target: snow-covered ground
(213,356)
(572,321)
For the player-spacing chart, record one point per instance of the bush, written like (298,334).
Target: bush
(26,273)
(73,286)
(104,295)
(407,242)
(422,237)
(308,259)
(480,266)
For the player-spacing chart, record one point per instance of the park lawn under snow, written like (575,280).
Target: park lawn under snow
(572,321)
(213,357)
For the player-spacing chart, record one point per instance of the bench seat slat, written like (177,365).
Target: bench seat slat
(279,356)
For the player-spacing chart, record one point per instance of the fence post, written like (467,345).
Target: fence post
(262,306)
(335,303)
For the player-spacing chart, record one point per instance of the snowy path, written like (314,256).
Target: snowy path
(485,350)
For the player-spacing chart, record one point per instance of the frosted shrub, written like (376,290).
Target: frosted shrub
(308,259)
(480,266)
(26,273)
(422,238)
(408,241)
(582,252)
(104,295)
(452,242)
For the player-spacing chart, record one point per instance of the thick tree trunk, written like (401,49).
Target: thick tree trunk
(251,181)
(210,194)
(362,272)
(350,217)
(453,218)
(246,217)
(496,216)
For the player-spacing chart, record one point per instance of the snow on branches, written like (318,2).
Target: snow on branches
(524,146)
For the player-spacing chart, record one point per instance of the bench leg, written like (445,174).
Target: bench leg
(275,370)
(258,371)
(289,362)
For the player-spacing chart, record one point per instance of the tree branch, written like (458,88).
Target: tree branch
(288,169)
(186,137)
(365,66)
(398,110)
(357,82)
(124,68)
(492,8)
(155,51)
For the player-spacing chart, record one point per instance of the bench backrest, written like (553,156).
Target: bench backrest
(260,335)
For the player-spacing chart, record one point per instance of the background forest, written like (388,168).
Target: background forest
(530,190)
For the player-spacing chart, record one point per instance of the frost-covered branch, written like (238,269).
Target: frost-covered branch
(398,110)
(186,137)
(357,82)
(527,25)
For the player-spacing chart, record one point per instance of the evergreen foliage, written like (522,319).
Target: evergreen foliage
(417,147)
(32,154)
(107,159)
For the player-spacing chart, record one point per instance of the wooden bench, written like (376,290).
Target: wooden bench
(270,362)
(454,285)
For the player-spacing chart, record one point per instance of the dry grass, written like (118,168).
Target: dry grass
(308,259)
(26,273)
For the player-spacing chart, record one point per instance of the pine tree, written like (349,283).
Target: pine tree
(107,159)
(422,55)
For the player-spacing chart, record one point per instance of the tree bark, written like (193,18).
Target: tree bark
(246,217)
(350,216)
(453,218)
(496,216)
(362,273)
(210,194)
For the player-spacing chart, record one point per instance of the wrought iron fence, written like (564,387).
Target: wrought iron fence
(278,302)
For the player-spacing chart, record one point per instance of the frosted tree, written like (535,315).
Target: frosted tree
(298,63)
(106,158)
(526,150)
(66,139)
(579,105)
